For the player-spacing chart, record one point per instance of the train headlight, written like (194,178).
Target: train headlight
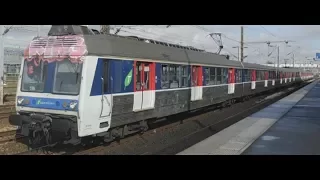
(73,105)
(20,100)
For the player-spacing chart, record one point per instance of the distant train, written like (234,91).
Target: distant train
(76,83)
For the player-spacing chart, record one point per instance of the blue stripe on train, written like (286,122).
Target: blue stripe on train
(120,78)
(48,103)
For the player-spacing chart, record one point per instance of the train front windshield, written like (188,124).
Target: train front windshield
(58,77)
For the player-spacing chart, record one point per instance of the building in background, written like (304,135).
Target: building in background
(12,61)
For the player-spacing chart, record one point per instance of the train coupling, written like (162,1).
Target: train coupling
(35,126)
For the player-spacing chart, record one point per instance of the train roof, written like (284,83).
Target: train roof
(97,44)
(114,45)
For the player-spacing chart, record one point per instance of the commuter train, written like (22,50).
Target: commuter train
(76,84)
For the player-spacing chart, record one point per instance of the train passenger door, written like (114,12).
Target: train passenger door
(253,79)
(196,83)
(106,95)
(266,77)
(231,81)
(144,95)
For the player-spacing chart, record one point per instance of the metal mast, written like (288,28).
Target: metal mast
(105,29)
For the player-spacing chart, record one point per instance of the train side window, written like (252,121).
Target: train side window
(225,75)
(207,75)
(258,78)
(238,75)
(270,75)
(273,75)
(173,78)
(184,76)
(246,75)
(106,76)
(210,75)
(212,79)
(262,75)
(165,77)
(219,76)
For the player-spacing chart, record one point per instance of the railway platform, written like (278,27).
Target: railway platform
(288,127)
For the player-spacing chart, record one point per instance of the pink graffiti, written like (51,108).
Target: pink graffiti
(57,48)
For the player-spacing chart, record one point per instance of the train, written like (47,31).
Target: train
(76,84)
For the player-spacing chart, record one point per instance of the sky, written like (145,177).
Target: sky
(304,41)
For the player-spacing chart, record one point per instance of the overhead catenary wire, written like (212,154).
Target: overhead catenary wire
(172,37)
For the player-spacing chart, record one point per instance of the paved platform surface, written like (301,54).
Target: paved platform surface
(294,132)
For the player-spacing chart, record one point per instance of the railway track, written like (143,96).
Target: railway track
(9,136)
(6,110)
(9,97)
(179,134)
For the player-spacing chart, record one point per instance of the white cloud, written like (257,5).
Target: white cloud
(307,37)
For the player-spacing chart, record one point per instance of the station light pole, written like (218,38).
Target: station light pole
(1,64)
(239,55)
(3,32)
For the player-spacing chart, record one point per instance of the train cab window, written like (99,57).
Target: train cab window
(34,76)
(67,77)
(219,76)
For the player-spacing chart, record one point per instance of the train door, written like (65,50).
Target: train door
(285,77)
(144,95)
(106,96)
(231,81)
(196,83)
(274,76)
(253,79)
(266,77)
